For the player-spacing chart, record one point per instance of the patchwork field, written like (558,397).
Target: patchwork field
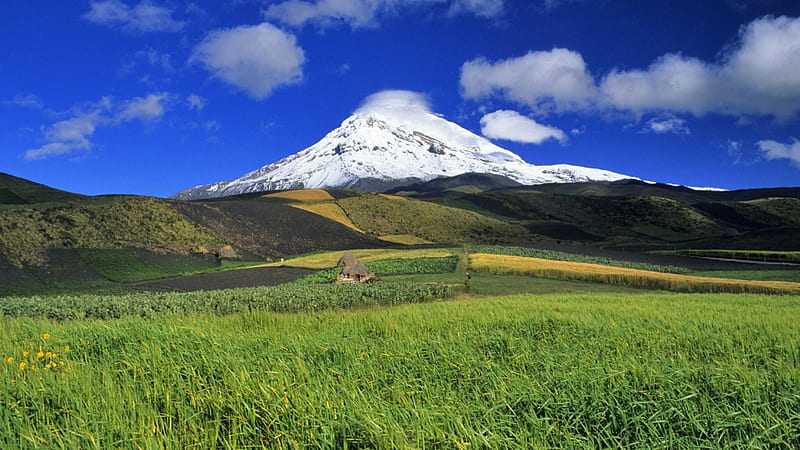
(518,265)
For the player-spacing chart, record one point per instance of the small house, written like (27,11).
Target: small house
(353,270)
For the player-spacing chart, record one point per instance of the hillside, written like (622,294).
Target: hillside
(630,212)
(19,191)
(54,239)
(101,222)
(388,216)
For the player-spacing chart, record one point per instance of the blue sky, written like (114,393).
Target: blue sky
(155,96)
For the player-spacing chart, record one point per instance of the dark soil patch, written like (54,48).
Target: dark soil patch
(261,276)
(64,268)
(272,230)
(692,263)
(565,231)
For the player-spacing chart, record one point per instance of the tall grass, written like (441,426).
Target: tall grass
(562,270)
(290,297)
(576,371)
(570,257)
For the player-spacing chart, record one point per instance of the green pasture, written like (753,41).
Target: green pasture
(427,358)
(583,370)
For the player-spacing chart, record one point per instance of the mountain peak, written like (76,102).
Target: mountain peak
(394,139)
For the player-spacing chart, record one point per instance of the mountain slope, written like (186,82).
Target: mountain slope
(386,145)
(19,191)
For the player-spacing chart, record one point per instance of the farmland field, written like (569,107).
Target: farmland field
(427,358)
(642,370)
(518,265)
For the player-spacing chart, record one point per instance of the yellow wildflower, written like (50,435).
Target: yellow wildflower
(22,365)
(66,348)
(25,354)
(10,360)
(40,354)
(46,336)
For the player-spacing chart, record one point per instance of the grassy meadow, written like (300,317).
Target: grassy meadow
(517,355)
(648,370)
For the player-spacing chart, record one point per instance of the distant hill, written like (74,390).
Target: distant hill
(58,238)
(19,191)
(630,211)
(467,183)
(679,193)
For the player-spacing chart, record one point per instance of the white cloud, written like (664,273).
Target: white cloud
(256,59)
(512,126)
(734,150)
(67,136)
(70,135)
(481,8)
(196,102)
(756,76)
(26,101)
(142,108)
(672,83)
(777,150)
(397,101)
(667,125)
(156,58)
(355,13)
(142,18)
(368,13)
(543,80)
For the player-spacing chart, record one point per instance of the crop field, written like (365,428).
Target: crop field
(404,239)
(328,210)
(329,259)
(570,257)
(518,265)
(587,357)
(642,370)
(750,255)
(303,195)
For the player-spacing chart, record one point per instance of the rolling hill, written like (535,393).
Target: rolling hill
(58,239)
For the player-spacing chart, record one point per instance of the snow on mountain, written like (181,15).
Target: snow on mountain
(393,139)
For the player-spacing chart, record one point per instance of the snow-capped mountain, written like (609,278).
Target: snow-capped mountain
(385,144)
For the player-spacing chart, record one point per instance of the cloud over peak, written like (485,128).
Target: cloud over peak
(142,18)
(256,59)
(395,100)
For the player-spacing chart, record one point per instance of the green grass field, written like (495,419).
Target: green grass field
(510,361)
(588,370)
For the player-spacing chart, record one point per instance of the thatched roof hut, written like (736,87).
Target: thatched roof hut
(353,270)
(348,259)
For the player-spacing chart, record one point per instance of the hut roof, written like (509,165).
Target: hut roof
(348,259)
(356,269)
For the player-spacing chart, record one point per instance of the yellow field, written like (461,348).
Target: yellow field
(329,259)
(518,265)
(393,197)
(405,239)
(328,210)
(303,195)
